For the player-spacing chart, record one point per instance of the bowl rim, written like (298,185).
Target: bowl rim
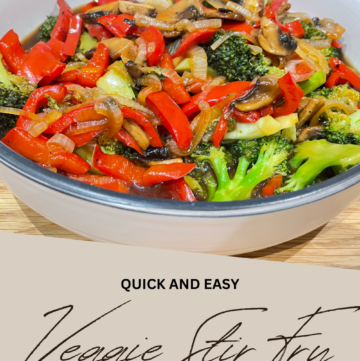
(283,202)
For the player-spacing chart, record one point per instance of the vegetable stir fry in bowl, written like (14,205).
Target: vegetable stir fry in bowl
(194,101)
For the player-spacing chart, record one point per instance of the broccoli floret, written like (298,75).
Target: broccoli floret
(234,59)
(312,33)
(274,70)
(342,93)
(331,52)
(313,157)
(14,92)
(273,152)
(343,129)
(113,146)
(47,28)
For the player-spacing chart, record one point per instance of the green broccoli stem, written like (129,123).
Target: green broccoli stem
(211,186)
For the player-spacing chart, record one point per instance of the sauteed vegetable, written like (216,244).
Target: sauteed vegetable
(187,100)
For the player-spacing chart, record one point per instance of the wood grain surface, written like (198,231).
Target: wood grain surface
(336,244)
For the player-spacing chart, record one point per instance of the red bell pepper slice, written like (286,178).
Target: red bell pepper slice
(247,117)
(229,25)
(172,118)
(68,162)
(61,27)
(214,96)
(57,47)
(95,68)
(337,44)
(118,167)
(179,190)
(104,182)
(89,6)
(117,24)
(82,114)
(165,172)
(39,98)
(155,45)
(150,131)
(42,65)
(37,150)
(274,183)
(82,139)
(20,141)
(69,76)
(333,79)
(269,12)
(75,30)
(98,31)
(346,72)
(177,92)
(201,36)
(294,28)
(12,51)
(222,126)
(268,110)
(125,138)
(292,95)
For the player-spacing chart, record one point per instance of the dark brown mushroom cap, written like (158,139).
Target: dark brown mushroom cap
(311,133)
(262,94)
(223,13)
(91,16)
(273,40)
(184,9)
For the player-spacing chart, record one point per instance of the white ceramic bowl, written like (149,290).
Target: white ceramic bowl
(222,228)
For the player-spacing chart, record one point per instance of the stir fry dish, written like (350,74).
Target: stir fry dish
(188,100)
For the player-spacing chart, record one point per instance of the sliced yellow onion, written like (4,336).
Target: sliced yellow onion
(319,44)
(252,5)
(331,103)
(229,35)
(312,56)
(39,126)
(167,161)
(132,104)
(301,16)
(218,80)
(85,127)
(62,141)
(291,68)
(210,23)
(198,62)
(82,57)
(249,15)
(169,73)
(20,112)
(110,109)
(137,133)
(129,54)
(74,66)
(255,49)
(150,80)
(144,93)
(331,29)
(198,126)
(151,47)
(141,55)
(147,21)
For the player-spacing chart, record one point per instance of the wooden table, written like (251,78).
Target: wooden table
(336,244)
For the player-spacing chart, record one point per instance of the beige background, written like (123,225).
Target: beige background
(337,244)
(38,275)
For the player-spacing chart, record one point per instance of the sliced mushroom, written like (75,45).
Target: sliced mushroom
(262,94)
(311,108)
(309,133)
(137,133)
(132,8)
(171,34)
(91,16)
(184,9)
(273,40)
(223,14)
(133,69)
